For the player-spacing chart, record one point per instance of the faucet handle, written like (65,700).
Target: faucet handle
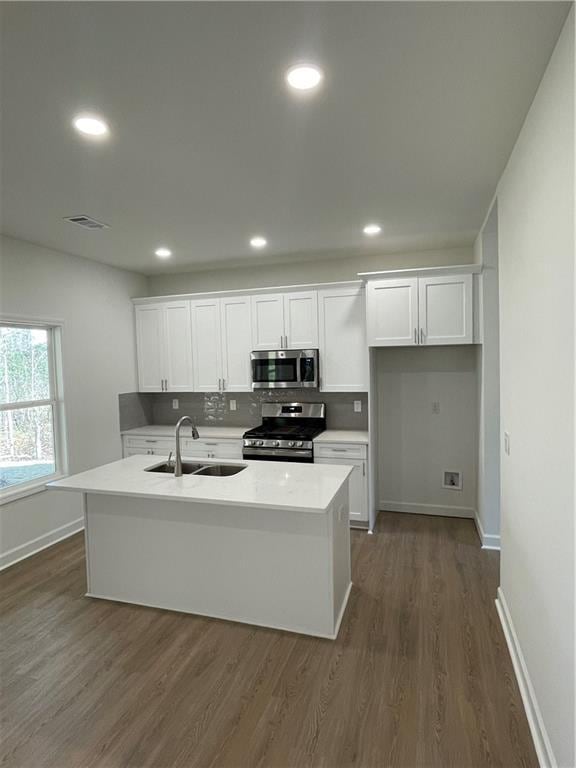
(169,458)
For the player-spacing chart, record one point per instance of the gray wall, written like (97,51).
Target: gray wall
(99,361)
(299,271)
(213,408)
(536,254)
(415,444)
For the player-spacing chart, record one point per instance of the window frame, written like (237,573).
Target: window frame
(54,330)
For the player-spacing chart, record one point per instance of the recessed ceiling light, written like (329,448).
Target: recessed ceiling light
(163,253)
(91,125)
(258,242)
(304,77)
(372,229)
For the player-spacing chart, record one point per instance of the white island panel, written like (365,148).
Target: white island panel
(288,571)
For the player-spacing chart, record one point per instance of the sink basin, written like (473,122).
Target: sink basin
(220,470)
(188,468)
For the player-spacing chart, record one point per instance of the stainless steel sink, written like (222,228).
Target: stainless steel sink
(220,470)
(204,470)
(188,468)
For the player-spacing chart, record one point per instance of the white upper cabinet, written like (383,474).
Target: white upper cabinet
(343,347)
(206,345)
(428,310)
(445,310)
(178,347)
(164,347)
(392,312)
(268,321)
(221,333)
(149,338)
(285,321)
(235,316)
(301,320)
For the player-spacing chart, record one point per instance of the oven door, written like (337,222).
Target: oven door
(285,369)
(272,454)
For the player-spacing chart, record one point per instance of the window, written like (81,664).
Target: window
(31,408)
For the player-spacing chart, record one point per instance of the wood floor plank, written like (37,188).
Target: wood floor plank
(419,676)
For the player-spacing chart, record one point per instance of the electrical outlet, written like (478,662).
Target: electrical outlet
(507,443)
(232,405)
(357,406)
(175,404)
(436,406)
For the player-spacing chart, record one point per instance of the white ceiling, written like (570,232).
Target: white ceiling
(420,108)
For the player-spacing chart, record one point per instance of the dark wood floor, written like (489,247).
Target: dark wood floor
(419,675)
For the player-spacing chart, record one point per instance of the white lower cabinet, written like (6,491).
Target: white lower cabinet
(155,446)
(354,455)
(227,448)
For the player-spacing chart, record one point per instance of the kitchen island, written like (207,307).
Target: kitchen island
(269,545)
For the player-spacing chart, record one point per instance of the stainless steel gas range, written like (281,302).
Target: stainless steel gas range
(286,433)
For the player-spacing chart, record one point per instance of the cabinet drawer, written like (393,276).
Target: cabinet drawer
(217,449)
(158,443)
(340,450)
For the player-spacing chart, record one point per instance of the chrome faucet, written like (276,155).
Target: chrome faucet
(195,435)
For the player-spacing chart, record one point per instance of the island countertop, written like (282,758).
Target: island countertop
(289,486)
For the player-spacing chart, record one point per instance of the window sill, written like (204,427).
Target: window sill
(14,494)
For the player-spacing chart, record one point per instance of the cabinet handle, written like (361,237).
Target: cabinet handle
(219,385)
(151,441)
(421,336)
(415,336)
(363,469)
(223,384)
(338,450)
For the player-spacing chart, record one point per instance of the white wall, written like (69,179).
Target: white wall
(300,270)
(416,445)
(536,252)
(99,359)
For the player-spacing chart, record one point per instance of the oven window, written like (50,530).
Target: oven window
(274,370)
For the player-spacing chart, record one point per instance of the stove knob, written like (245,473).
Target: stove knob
(275,443)
(291,444)
(259,442)
(299,444)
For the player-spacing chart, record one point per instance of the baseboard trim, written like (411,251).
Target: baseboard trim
(542,743)
(30,548)
(426,509)
(488,540)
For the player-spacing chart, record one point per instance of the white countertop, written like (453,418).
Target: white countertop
(274,485)
(236,433)
(342,436)
(169,430)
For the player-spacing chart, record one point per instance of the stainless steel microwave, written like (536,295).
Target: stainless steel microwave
(285,369)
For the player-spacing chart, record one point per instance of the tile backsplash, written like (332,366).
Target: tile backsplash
(213,408)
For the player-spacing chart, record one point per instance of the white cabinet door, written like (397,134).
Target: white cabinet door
(206,345)
(268,321)
(301,320)
(446,310)
(343,345)
(178,347)
(149,341)
(357,487)
(235,315)
(392,312)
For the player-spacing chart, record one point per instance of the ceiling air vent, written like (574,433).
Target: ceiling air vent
(86,222)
